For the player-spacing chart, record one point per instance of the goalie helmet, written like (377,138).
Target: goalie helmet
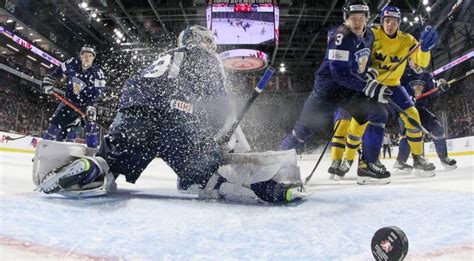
(89,49)
(390,11)
(197,35)
(355,6)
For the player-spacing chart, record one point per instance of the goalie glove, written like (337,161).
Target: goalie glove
(91,114)
(48,84)
(374,90)
(442,85)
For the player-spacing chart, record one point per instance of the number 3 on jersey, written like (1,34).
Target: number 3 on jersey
(339,39)
(160,66)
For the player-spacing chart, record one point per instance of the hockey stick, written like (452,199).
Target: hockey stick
(258,89)
(412,121)
(423,95)
(322,153)
(21,137)
(74,107)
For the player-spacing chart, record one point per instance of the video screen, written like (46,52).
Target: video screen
(242,23)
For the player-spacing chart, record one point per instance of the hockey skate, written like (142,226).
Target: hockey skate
(343,169)
(80,174)
(448,163)
(370,173)
(423,167)
(401,168)
(333,168)
(379,164)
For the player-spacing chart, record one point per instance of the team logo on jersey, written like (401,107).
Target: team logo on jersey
(362,58)
(417,87)
(182,106)
(77,85)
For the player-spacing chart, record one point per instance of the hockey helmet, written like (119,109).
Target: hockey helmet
(355,6)
(198,35)
(89,49)
(414,66)
(390,11)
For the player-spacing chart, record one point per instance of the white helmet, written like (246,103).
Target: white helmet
(198,35)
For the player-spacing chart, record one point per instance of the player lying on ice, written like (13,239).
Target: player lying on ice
(176,109)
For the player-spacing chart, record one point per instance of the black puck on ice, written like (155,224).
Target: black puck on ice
(389,243)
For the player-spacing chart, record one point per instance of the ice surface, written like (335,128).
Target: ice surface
(150,220)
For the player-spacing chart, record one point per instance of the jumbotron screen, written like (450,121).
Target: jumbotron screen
(243,23)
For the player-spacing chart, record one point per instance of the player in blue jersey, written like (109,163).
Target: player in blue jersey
(341,81)
(177,108)
(417,82)
(84,84)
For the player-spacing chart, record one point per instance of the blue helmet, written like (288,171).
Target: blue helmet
(390,11)
(355,6)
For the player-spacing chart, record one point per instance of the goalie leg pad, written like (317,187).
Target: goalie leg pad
(250,177)
(54,163)
(50,155)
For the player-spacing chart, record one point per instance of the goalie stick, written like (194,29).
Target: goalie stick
(258,89)
(423,95)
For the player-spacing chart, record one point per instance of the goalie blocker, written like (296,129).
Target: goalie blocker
(272,176)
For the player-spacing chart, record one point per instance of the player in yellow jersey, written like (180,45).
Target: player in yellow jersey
(390,46)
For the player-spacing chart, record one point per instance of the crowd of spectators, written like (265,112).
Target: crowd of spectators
(267,122)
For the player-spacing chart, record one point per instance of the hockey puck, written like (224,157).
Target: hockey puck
(389,243)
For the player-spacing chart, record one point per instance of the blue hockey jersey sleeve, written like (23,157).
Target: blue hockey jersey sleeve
(347,61)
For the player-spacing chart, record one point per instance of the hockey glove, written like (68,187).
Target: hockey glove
(371,74)
(91,114)
(48,84)
(428,38)
(374,90)
(442,85)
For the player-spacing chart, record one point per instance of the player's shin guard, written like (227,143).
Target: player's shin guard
(52,132)
(354,138)
(92,137)
(372,142)
(296,138)
(414,135)
(338,142)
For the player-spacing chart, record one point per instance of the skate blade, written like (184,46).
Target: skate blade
(372,181)
(424,174)
(447,167)
(402,172)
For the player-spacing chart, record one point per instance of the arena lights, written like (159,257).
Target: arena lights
(47,66)
(428,9)
(417,19)
(425,2)
(83,5)
(13,48)
(9,21)
(405,19)
(32,58)
(118,33)
(282,67)
(19,28)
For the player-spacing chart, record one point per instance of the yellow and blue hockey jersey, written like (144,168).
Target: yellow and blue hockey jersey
(387,52)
